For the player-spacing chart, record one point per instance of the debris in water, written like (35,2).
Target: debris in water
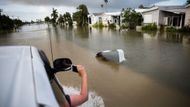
(112,55)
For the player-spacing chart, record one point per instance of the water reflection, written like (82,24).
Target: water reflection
(82,32)
(186,40)
(173,37)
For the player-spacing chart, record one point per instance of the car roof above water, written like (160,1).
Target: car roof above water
(23,79)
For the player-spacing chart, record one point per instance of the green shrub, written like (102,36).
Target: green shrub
(112,26)
(98,25)
(185,29)
(151,27)
(101,25)
(171,29)
(124,27)
(95,25)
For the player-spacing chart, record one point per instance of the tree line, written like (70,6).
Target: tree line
(130,17)
(80,16)
(6,23)
(188,2)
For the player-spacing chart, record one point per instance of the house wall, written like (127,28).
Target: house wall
(104,18)
(151,17)
(94,19)
(173,19)
(187,16)
(162,15)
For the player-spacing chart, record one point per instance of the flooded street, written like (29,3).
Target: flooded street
(156,72)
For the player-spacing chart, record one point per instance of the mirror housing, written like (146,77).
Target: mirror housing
(64,64)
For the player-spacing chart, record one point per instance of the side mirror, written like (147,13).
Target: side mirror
(64,64)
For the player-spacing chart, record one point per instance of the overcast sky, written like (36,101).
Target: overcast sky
(28,10)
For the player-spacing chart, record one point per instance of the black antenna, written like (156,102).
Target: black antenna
(51,48)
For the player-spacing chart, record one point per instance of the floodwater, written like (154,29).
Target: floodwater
(156,72)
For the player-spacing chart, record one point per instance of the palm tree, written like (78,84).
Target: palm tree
(83,14)
(1,10)
(122,11)
(68,19)
(188,1)
(106,2)
(141,6)
(54,15)
(101,5)
(47,19)
(61,20)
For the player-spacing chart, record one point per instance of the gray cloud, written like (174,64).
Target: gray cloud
(114,4)
(38,9)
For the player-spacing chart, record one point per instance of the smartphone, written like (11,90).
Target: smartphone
(74,68)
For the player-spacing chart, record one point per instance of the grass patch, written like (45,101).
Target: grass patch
(150,27)
(171,29)
(124,26)
(184,29)
(112,26)
(98,25)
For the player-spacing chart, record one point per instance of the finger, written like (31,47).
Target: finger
(80,67)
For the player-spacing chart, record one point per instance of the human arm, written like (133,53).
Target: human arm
(79,99)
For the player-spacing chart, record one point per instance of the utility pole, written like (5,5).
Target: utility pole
(106,2)
(1,10)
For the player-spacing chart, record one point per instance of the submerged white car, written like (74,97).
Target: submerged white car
(27,80)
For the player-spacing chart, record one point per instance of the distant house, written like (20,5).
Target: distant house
(105,18)
(164,15)
(187,15)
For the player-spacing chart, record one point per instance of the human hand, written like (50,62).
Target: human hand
(81,70)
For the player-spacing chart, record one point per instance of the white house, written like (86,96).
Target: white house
(105,18)
(164,15)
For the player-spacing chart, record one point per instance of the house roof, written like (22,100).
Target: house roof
(150,9)
(140,10)
(98,14)
(176,11)
(113,13)
(173,9)
(107,14)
